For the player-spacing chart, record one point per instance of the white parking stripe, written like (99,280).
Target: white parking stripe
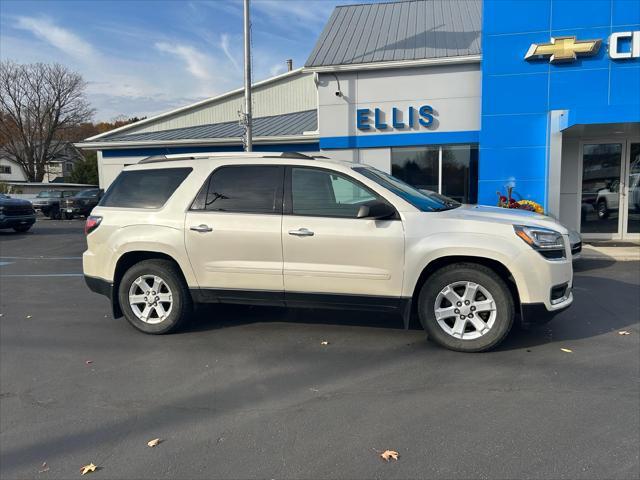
(44,275)
(40,258)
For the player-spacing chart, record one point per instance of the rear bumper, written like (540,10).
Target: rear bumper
(99,285)
(10,222)
(104,287)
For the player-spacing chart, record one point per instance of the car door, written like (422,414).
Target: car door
(328,250)
(233,234)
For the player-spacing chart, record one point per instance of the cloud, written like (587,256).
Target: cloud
(277,69)
(226,48)
(196,61)
(57,36)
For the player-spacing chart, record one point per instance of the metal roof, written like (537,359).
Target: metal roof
(290,124)
(399,31)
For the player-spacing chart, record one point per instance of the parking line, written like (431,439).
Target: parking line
(40,258)
(44,275)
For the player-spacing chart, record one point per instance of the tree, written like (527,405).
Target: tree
(85,170)
(39,104)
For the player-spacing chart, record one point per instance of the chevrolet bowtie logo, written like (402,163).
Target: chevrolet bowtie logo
(562,49)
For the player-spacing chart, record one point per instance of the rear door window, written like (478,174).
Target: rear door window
(243,189)
(144,188)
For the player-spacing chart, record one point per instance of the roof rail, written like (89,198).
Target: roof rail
(194,156)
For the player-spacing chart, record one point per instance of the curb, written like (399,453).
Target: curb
(620,254)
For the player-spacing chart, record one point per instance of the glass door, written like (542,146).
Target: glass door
(602,187)
(631,215)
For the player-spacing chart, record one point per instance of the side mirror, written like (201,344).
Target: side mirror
(376,210)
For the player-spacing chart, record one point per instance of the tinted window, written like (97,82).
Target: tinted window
(144,188)
(243,189)
(88,194)
(327,194)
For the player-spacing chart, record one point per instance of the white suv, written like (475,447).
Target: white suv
(292,230)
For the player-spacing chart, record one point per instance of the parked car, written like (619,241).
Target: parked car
(292,230)
(16,213)
(48,202)
(607,200)
(81,203)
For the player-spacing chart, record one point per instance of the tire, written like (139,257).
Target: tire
(68,216)
(459,279)
(177,310)
(602,210)
(23,228)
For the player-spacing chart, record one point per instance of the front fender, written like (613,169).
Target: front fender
(423,251)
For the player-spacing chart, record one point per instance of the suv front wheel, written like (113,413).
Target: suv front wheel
(466,307)
(154,297)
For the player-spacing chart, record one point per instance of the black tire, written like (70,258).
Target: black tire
(602,210)
(181,307)
(22,228)
(467,272)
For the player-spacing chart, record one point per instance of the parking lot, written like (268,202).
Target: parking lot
(254,393)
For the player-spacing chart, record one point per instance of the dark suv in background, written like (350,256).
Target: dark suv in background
(48,202)
(16,213)
(81,203)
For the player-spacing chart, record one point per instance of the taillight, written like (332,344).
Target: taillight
(93,221)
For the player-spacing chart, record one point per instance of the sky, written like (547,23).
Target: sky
(144,57)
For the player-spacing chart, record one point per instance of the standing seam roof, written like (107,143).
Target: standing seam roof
(404,30)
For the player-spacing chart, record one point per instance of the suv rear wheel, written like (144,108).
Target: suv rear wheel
(466,307)
(154,297)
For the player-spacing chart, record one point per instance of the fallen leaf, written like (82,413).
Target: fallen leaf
(324,342)
(154,442)
(389,454)
(88,468)
(44,468)
(88,362)
(624,332)
(28,316)
(566,350)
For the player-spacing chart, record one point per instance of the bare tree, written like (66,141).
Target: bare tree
(39,104)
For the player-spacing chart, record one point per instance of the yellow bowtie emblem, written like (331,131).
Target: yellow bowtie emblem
(563,49)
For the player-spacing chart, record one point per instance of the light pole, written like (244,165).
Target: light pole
(248,140)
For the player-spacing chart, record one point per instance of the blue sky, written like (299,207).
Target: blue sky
(146,57)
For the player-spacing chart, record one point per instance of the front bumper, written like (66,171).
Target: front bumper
(538,313)
(15,221)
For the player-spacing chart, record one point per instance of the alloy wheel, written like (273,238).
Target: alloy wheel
(465,310)
(150,299)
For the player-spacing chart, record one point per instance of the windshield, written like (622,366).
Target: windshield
(48,194)
(423,200)
(87,194)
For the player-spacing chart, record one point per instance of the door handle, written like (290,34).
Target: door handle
(302,232)
(202,228)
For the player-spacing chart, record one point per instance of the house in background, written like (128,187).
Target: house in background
(65,155)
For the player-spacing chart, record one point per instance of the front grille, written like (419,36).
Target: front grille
(15,211)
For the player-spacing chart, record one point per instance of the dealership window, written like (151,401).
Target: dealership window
(451,170)
(5,169)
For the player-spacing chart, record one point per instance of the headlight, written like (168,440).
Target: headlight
(549,243)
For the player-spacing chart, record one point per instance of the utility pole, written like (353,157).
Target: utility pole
(248,140)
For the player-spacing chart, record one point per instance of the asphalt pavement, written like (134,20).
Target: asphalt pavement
(254,393)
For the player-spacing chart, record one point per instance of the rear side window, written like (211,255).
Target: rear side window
(144,188)
(243,189)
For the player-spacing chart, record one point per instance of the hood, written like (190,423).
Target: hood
(18,202)
(506,215)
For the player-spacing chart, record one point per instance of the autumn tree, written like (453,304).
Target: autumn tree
(39,104)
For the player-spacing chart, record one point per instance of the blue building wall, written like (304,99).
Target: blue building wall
(517,95)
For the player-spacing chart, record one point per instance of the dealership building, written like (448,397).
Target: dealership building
(464,97)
